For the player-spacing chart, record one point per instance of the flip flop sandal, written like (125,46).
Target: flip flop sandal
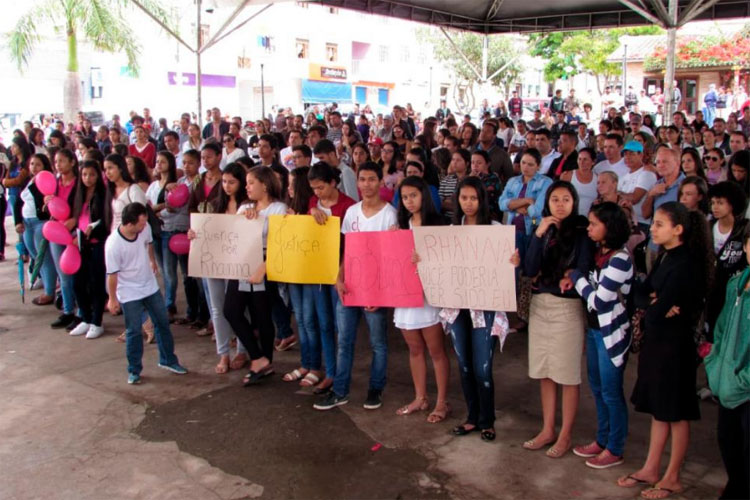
(309,380)
(407,410)
(636,482)
(254,378)
(533,445)
(293,376)
(669,493)
(283,346)
(460,430)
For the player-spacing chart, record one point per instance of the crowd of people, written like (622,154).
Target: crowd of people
(630,237)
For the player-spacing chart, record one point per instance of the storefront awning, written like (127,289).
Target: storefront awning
(322,92)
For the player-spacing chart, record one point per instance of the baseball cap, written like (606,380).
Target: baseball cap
(376,140)
(633,146)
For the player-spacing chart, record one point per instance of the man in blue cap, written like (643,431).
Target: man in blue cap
(635,185)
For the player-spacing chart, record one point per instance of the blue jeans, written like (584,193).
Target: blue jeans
(475,348)
(606,381)
(12,204)
(32,238)
(133,312)
(309,342)
(280,312)
(66,280)
(167,261)
(325,299)
(348,321)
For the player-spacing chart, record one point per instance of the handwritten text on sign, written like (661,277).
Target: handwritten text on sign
(225,247)
(467,267)
(302,251)
(378,271)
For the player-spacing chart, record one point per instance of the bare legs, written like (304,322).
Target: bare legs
(433,338)
(570,396)
(660,432)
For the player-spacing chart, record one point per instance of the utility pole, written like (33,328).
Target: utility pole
(198,62)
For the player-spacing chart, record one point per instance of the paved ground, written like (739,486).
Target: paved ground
(73,429)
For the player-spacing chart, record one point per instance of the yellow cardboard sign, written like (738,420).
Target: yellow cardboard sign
(302,251)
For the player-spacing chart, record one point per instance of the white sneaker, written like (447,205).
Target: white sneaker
(80,329)
(95,332)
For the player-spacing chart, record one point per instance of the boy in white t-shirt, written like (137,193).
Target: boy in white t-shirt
(370,214)
(132,286)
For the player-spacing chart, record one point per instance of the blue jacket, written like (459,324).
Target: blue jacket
(536,189)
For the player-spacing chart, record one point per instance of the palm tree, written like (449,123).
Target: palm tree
(99,22)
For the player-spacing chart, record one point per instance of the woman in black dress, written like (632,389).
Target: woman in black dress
(673,296)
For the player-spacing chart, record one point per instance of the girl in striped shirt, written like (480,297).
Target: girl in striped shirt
(608,332)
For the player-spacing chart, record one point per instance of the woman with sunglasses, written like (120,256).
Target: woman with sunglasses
(231,152)
(716,171)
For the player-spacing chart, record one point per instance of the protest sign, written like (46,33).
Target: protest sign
(378,271)
(467,267)
(302,251)
(225,246)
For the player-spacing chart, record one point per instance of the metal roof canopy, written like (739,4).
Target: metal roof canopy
(524,16)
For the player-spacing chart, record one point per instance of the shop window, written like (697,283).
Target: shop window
(302,48)
(332,52)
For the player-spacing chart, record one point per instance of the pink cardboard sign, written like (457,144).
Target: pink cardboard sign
(378,271)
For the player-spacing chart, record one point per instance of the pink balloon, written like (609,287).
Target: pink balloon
(58,208)
(55,232)
(70,260)
(178,196)
(179,244)
(46,182)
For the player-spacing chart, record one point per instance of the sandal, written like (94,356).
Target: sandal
(309,380)
(557,452)
(488,435)
(238,362)
(438,415)
(252,378)
(293,376)
(121,337)
(419,404)
(285,346)
(223,366)
(633,481)
(660,493)
(533,445)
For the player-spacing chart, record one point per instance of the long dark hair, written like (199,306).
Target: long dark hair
(702,186)
(140,170)
(25,151)
(323,172)
(302,191)
(695,155)
(427,212)
(95,204)
(615,221)
(122,166)
(696,237)
(172,165)
(393,167)
(46,164)
(71,157)
(483,214)
(560,243)
(742,160)
(221,202)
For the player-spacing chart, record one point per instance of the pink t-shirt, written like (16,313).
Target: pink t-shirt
(63,191)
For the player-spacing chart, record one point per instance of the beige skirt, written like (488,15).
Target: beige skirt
(556,335)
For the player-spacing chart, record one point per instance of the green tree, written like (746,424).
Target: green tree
(99,22)
(570,53)
(503,52)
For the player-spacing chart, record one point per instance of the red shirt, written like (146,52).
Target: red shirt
(337,210)
(148,154)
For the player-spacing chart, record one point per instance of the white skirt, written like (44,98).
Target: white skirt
(415,318)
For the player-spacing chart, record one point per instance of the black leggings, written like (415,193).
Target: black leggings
(89,283)
(3,208)
(235,304)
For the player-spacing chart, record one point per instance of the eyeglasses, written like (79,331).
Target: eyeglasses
(228,140)
(388,150)
(712,158)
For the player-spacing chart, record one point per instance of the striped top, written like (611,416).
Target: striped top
(602,292)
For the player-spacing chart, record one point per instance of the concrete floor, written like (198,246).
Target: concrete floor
(73,429)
